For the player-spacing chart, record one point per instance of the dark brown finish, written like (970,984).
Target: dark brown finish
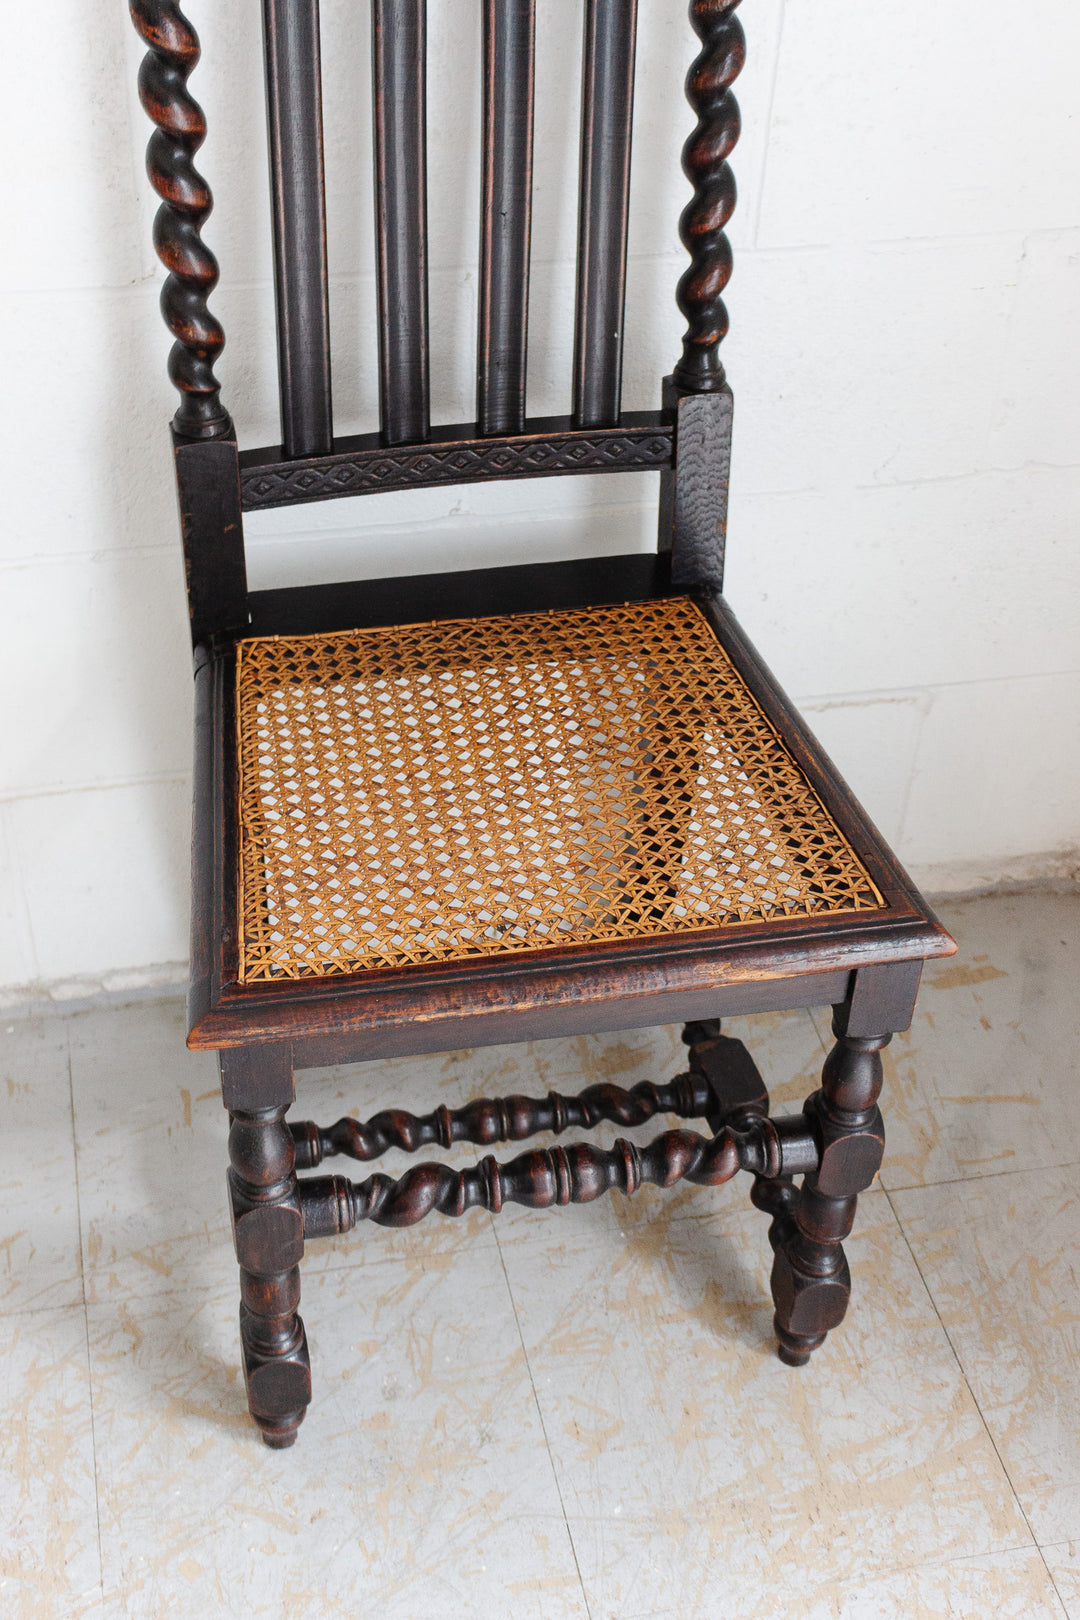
(364,465)
(399,55)
(740,1096)
(186,202)
(211,527)
(509,50)
(588,582)
(865,964)
(693,494)
(257,1088)
(269,1237)
(607,111)
(545,1177)
(810,1281)
(499,1119)
(531,1007)
(704,217)
(294,117)
(733,1078)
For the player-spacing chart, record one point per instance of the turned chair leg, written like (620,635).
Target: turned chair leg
(268,1233)
(811,1284)
(740,1095)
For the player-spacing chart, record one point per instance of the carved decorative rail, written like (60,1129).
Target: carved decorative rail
(330,1205)
(186,202)
(365,464)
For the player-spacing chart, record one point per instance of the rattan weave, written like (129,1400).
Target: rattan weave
(470,787)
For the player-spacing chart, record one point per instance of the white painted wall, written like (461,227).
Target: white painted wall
(904,352)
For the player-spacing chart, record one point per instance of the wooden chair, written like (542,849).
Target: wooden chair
(520,802)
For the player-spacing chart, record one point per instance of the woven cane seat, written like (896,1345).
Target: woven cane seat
(466,788)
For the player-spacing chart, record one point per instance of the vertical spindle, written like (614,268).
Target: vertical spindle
(603,207)
(294,113)
(509,71)
(400,112)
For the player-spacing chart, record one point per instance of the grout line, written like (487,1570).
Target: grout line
(86,1319)
(963,1373)
(986,1175)
(1053,1583)
(1050,1574)
(543,1425)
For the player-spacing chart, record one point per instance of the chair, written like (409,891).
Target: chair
(520,802)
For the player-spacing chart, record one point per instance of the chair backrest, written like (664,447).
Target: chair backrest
(687,438)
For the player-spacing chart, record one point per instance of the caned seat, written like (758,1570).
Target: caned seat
(460,789)
(524,801)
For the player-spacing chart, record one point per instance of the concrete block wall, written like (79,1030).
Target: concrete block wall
(904,351)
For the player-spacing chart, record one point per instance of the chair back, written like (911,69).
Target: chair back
(503,441)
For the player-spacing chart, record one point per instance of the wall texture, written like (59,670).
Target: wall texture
(904,352)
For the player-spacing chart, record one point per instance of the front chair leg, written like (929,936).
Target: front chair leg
(268,1232)
(811,1284)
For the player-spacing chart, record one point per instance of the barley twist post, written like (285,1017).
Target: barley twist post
(708,90)
(186,202)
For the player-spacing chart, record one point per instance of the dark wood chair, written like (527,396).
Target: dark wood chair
(513,803)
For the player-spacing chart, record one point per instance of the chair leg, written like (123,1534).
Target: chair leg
(268,1233)
(740,1095)
(811,1284)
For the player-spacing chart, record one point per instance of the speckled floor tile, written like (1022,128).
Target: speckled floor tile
(692,1463)
(1063,1562)
(39,1209)
(49,1565)
(1000,1259)
(420,1486)
(1008,1586)
(985,1078)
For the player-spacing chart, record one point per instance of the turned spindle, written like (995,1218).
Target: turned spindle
(499,1119)
(543,1178)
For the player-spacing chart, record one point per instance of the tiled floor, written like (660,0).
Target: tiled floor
(574,1414)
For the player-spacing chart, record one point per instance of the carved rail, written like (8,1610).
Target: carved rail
(365,465)
(577,1174)
(186,202)
(500,1119)
(701,226)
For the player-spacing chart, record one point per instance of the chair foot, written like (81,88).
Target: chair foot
(795,1349)
(279,1433)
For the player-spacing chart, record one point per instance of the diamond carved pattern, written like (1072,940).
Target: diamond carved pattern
(473,787)
(416,466)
